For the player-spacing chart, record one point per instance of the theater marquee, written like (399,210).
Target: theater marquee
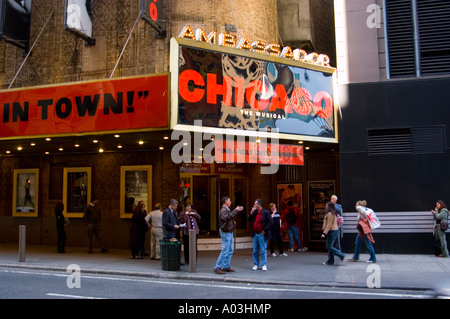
(245,92)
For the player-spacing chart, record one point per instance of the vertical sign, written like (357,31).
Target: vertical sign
(78,18)
(152,12)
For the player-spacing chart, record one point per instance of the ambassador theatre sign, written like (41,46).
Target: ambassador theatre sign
(250,88)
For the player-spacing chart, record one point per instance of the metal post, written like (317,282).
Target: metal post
(192,251)
(22,242)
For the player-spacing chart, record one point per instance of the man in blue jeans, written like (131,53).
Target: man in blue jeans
(261,224)
(226,226)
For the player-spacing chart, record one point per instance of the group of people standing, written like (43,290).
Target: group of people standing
(265,226)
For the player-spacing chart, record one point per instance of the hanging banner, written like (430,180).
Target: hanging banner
(110,105)
(243,90)
(257,153)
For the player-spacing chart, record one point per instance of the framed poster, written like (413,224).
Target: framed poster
(135,186)
(289,192)
(76,190)
(320,193)
(25,193)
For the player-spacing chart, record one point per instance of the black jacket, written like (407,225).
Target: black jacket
(169,220)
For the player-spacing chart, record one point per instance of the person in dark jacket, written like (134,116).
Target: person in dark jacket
(138,230)
(93,218)
(60,223)
(276,232)
(170,221)
(261,224)
(226,226)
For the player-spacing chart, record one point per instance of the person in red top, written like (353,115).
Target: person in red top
(261,224)
(294,221)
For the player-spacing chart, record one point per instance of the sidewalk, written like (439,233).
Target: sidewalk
(298,268)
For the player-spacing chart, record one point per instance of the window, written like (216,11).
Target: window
(418,37)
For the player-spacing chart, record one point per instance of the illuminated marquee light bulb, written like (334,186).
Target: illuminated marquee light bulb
(227,40)
(287,53)
(259,46)
(312,57)
(244,44)
(274,49)
(187,33)
(324,60)
(201,36)
(300,55)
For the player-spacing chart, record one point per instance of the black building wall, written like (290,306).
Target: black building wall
(394,149)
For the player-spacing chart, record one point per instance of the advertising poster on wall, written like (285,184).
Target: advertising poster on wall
(244,92)
(320,193)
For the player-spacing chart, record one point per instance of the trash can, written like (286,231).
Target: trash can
(170,255)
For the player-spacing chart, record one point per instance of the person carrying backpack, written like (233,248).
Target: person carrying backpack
(292,217)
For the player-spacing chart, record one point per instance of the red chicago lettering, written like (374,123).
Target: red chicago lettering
(192,89)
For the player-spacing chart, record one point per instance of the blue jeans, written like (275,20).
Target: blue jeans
(294,233)
(331,238)
(224,259)
(259,244)
(369,246)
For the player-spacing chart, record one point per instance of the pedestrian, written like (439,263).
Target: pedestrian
(92,217)
(340,212)
(364,233)
(191,218)
(440,214)
(170,221)
(261,225)
(331,232)
(293,219)
(154,222)
(276,232)
(60,224)
(137,231)
(226,227)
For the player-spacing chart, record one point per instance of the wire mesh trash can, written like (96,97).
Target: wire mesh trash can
(170,255)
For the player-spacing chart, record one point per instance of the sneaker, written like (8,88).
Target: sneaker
(352,259)
(254,268)
(264,268)
(274,255)
(371,262)
(291,249)
(301,249)
(284,255)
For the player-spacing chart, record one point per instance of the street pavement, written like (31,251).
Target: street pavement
(392,271)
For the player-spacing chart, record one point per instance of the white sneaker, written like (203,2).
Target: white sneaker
(291,249)
(264,268)
(284,255)
(274,255)
(254,268)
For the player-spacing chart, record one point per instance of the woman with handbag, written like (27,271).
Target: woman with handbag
(331,232)
(440,214)
(364,233)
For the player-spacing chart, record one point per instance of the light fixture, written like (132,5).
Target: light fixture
(141,142)
(119,146)
(33,144)
(77,145)
(19,148)
(46,153)
(95,141)
(161,148)
(48,139)
(100,150)
(166,137)
(116,135)
(8,152)
(300,142)
(61,149)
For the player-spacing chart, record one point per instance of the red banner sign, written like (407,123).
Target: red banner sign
(111,105)
(259,153)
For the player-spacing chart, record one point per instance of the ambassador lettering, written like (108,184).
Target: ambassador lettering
(63,107)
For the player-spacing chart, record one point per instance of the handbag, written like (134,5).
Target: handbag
(339,220)
(444,225)
(66,221)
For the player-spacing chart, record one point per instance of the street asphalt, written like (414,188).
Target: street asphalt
(392,271)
